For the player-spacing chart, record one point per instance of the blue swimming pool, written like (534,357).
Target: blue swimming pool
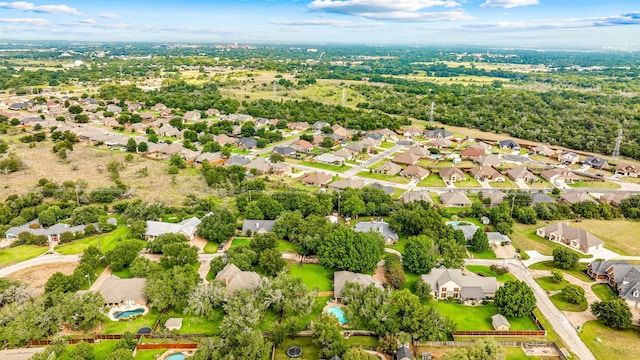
(338,313)
(459,223)
(126,314)
(177,356)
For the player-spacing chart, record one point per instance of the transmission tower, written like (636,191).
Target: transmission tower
(431,114)
(616,150)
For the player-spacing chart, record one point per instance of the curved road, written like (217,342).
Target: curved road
(40,260)
(556,318)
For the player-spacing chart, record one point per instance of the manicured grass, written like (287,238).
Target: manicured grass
(516,353)
(488,254)
(365,342)
(486,271)
(192,324)
(123,274)
(426,163)
(100,350)
(479,317)
(432,181)
(400,245)
(620,236)
(469,182)
(285,246)
(549,284)
(435,198)
(577,271)
(562,304)
(105,242)
(240,242)
(119,327)
(600,185)
(603,291)
(211,248)
(10,256)
(387,145)
(410,282)
(607,343)
(506,184)
(336,168)
(313,276)
(524,236)
(392,178)
(309,350)
(149,354)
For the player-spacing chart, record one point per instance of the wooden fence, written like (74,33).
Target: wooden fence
(165,346)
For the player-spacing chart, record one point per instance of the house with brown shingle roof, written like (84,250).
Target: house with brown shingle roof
(574,197)
(487,173)
(346,183)
(339,130)
(223,140)
(455,199)
(317,179)
(419,151)
(559,175)
(488,160)
(452,174)
(615,198)
(573,237)
(260,164)
(438,143)
(522,175)
(302,146)
(486,148)
(627,170)
(387,168)
(236,279)
(415,172)
(406,158)
(543,150)
(471,153)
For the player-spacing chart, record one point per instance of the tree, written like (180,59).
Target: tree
(205,298)
(81,351)
(423,290)
(157,245)
(242,257)
(120,354)
(557,276)
(143,267)
(326,331)
(418,254)
(481,350)
(515,299)
(346,249)
(272,262)
(394,271)
(132,146)
(61,282)
(218,226)
(47,218)
(353,206)
(123,254)
(358,354)
(143,147)
(171,288)
(276,158)
(75,109)
(262,242)
(614,313)
(137,229)
(574,294)
(564,258)
(178,254)
(480,242)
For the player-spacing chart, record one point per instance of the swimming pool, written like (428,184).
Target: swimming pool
(128,313)
(338,313)
(176,356)
(459,223)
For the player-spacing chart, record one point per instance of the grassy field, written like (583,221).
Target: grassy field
(524,236)
(309,350)
(618,235)
(488,254)
(313,276)
(479,317)
(336,168)
(600,185)
(486,271)
(562,304)
(432,181)
(123,274)
(198,325)
(100,350)
(105,242)
(469,182)
(285,246)
(506,184)
(577,271)
(210,248)
(604,291)
(606,343)
(392,178)
(149,354)
(549,284)
(10,256)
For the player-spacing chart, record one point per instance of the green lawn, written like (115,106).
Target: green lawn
(618,235)
(211,248)
(410,282)
(601,185)
(606,343)
(525,238)
(336,168)
(392,178)
(387,145)
(432,181)
(486,271)
(506,184)
(240,242)
(577,271)
(285,246)
(399,246)
(469,182)
(100,350)
(105,242)
(313,275)
(479,317)
(488,254)
(149,354)
(123,274)
(13,255)
(119,327)
(192,324)
(562,304)
(309,350)
(365,342)
(549,284)
(604,291)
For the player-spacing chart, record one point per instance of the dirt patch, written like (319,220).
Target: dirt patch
(36,277)
(379,274)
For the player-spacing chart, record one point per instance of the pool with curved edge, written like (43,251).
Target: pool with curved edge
(176,356)
(127,313)
(338,313)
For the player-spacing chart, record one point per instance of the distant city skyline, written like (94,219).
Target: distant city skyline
(567,24)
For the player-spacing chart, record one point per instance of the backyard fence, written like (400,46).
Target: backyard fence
(166,346)
(499,333)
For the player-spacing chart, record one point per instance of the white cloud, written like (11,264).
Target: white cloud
(398,10)
(88,21)
(420,16)
(108,15)
(556,24)
(325,22)
(48,9)
(507,4)
(25,21)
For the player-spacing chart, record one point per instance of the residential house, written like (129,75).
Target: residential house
(568,157)
(281,169)
(302,146)
(446,283)
(381,227)
(559,175)
(406,158)
(330,159)
(509,144)
(212,158)
(299,126)
(574,197)
(438,143)
(286,151)
(452,174)
(339,130)
(416,195)
(133,107)
(389,190)
(627,170)
(116,291)
(497,238)
(260,164)
(419,151)
(494,198)
(237,160)
(455,199)
(387,168)
(212,112)
(620,275)
(375,137)
(192,115)
(359,147)
(186,227)
(543,150)
(260,122)
(317,179)
(340,278)
(403,353)
(573,237)
(487,173)
(411,132)
(388,134)
(615,198)
(52,233)
(438,134)
(320,125)
(471,153)
(159,107)
(596,162)
(488,160)
(415,172)
(467,229)
(223,140)
(346,183)
(114,109)
(486,148)
(247,143)
(346,154)
(169,131)
(236,279)
(18,106)
(522,175)
(500,323)
(258,226)
(171,149)
(541,198)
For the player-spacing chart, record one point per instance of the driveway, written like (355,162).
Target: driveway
(603,253)
(535,257)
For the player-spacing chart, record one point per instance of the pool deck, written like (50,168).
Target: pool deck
(187,353)
(126,308)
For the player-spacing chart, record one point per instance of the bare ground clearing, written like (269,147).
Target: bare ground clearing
(36,277)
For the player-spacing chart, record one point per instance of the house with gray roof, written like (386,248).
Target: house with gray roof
(573,237)
(286,151)
(447,283)
(509,144)
(455,199)
(596,162)
(387,168)
(330,159)
(522,175)
(237,160)
(541,198)
(381,227)
(389,190)
(236,279)
(620,275)
(186,227)
(258,226)
(403,353)
(346,183)
(438,134)
(468,230)
(574,197)
(416,195)
(494,198)
(247,143)
(52,233)
(260,164)
(117,291)
(340,278)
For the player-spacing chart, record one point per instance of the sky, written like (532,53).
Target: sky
(590,24)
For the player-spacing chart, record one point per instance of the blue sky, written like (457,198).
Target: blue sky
(521,23)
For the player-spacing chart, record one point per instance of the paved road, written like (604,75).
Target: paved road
(558,320)
(374,159)
(40,260)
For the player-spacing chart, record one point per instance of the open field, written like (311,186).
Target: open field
(14,255)
(392,178)
(432,181)
(478,317)
(620,236)
(469,182)
(36,277)
(601,185)
(606,343)
(562,304)
(336,168)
